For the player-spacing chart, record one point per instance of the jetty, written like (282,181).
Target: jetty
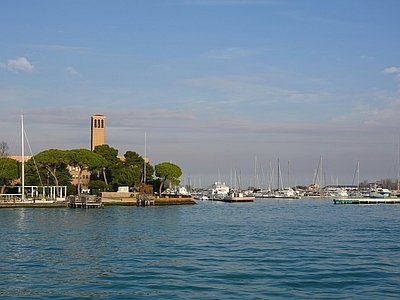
(367,201)
(84,202)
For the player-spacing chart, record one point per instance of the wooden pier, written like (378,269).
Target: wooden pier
(84,202)
(145,200)
(367,201)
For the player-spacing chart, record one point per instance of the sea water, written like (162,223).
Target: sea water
(267,249)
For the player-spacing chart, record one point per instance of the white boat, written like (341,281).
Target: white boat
(379,193)
(287,193)
(218,191)
(337,193)
(201,197)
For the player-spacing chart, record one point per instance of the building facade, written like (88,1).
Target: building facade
(97,130)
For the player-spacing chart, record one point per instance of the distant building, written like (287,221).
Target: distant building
(98,130)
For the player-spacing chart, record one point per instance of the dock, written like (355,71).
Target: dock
(367,201)
(84,202)
(145,200)
(238,199)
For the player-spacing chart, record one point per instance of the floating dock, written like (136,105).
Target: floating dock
(367,201)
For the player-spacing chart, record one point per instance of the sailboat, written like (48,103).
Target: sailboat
(287,192)
(34,189)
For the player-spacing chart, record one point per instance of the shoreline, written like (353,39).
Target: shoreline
(105,202)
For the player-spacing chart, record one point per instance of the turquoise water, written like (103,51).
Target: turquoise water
(269,249)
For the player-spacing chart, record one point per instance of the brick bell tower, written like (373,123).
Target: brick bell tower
(97,130)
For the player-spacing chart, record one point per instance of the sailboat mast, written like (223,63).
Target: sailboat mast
(145,158)
(22,159)
(279,174)
(358,175)
(398,165)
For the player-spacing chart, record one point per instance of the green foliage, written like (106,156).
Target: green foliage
(113,164)
(167,171)
(50,164)
(132,159)
(125,177)
(8,171)
(85,159)
(135,162)
(108,153)
(97,186)
(149,173)
(108,171)
(41,176)
(117,172)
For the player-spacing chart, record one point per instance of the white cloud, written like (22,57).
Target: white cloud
(21,64)
(72,71)
(391,70)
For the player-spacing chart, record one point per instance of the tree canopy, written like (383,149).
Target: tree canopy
(113,163)
(9,171)
(85,159)
(53,161)
(167,172)
(108,171)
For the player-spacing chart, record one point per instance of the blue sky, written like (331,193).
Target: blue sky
(212,83)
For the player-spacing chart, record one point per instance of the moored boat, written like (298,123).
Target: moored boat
(379,193)
(218,191)
(286,193)
(238,197)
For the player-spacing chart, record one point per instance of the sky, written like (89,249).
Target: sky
(222,88)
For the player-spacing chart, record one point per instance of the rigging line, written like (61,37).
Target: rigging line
(14,139)
(33,157)
(355,174)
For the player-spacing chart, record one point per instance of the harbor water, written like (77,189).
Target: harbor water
(267,249)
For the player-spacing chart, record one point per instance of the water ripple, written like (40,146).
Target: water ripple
(262,250)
